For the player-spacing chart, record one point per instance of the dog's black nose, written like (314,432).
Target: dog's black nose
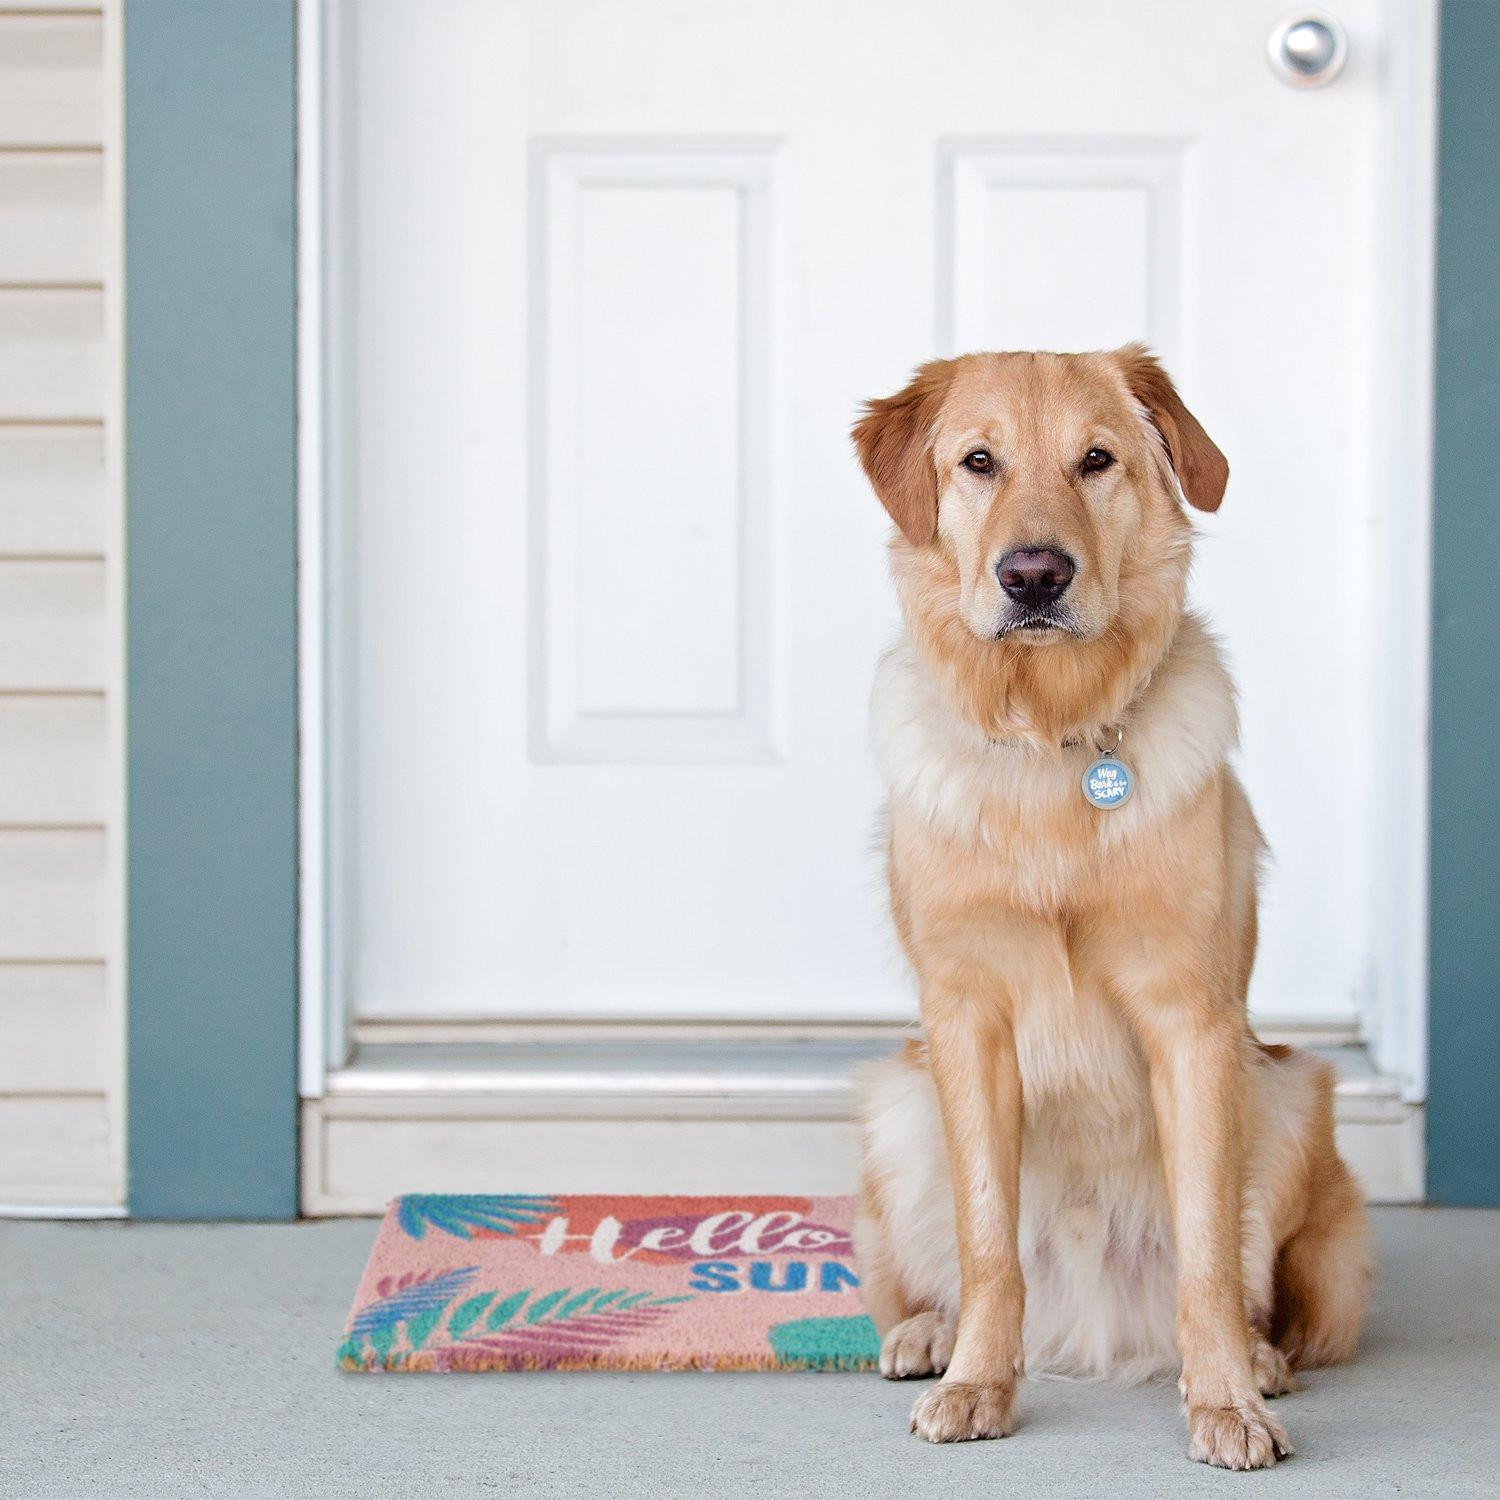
(1035,575)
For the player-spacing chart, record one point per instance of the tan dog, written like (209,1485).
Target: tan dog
(1089,1120)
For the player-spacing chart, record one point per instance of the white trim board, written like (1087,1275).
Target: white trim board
(63,1211)
(116,691)
(361,1151)
(1402,289)
(470,1031)
(312,860)
(694,1115)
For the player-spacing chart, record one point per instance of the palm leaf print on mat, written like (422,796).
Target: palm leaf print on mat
(410,1296)
(496,1330)
(460,1214)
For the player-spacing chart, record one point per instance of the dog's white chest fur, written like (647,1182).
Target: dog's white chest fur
(1096,1236)
(944,771)
(1095,1232)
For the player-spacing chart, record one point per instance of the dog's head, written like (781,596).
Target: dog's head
(1037,497)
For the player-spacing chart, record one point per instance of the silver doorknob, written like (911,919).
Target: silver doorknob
(1307,49)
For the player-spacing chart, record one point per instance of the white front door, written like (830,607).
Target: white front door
(608,282)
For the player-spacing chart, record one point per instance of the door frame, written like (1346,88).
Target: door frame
(1395,1018)
(210,650)
(1464,1113)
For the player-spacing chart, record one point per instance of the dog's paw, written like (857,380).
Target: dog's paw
(1273,1375)
(1241,1435)
(957,1412)
(922,1345)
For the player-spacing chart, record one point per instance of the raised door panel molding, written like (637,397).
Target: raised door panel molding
(652,508)
(1060,244)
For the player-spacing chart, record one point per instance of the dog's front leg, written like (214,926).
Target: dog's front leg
(972,1055)
(1195,1062)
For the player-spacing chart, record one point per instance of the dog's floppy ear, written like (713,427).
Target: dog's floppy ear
(1202,470)
(894,442)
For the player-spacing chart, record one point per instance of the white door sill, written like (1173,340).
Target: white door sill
(705,1113)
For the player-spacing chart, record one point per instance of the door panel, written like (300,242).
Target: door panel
(610,281)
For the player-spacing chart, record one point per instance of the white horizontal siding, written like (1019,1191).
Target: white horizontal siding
(53,897)
(51,79)
(61,1010)
(52,760)
(52,487)
(57,1148)
(52,628)
(51,355)
(51,216)
(54,1029)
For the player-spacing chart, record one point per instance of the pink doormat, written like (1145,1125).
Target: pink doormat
(531,1282)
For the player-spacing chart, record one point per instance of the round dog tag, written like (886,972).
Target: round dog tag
(1108,782)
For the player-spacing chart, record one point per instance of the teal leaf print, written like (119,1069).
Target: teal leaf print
(432,1315)
(572,1305)
(460,1214)
(543,1305)
(410,1297)
(466,1314)
(563,1327)
(420,1327)
(565,1305)
(507,1309)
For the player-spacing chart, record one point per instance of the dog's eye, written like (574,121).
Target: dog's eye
(1096,460)
(979,462)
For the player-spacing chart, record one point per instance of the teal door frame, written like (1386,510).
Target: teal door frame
(1463,1103)
(210,195)
(211,507)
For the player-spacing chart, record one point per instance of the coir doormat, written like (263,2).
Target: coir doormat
(532,1282)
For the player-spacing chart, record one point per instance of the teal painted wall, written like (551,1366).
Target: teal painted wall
(211,604)
(1463,1112)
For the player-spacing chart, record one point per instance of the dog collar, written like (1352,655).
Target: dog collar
(1071,743)
(1108,782)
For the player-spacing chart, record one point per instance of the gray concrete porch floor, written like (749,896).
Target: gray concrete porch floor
(195,1359)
